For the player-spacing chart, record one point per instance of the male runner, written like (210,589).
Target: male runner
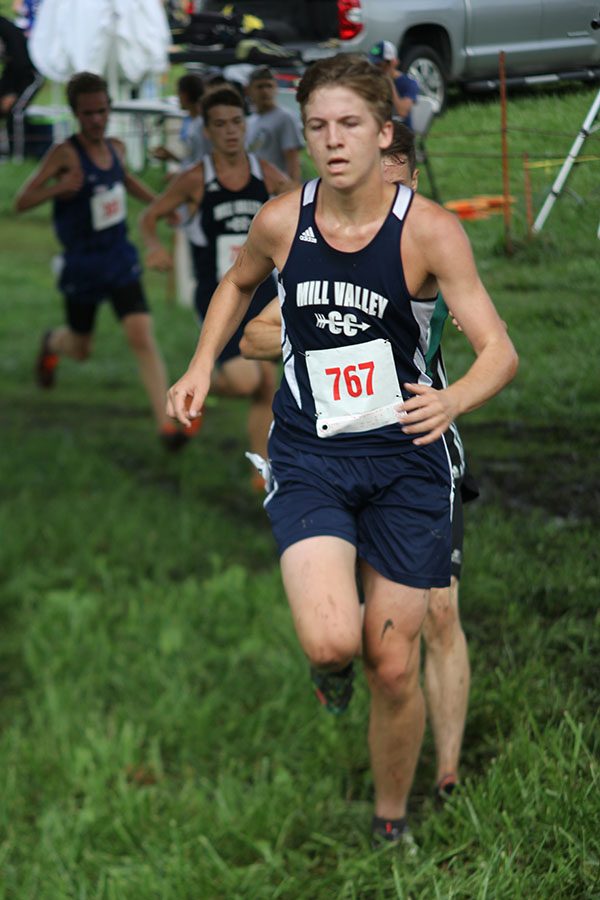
(225,191)
(447,671)
(86,179)
(358,462)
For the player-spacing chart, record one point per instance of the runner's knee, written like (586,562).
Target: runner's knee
(268,381)
(140,337)
(442,619)
(396,678)
(395,672)
(81,347)
(331,652)
(240,380)
(247,388)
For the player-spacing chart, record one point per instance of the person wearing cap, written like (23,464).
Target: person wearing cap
(406,89)
(272,132)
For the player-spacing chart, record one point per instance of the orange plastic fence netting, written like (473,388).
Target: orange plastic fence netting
(480,207)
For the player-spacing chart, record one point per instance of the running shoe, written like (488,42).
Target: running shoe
(258,483)
(334,689)
(444,789)
(173,437)
(45,364)
(392,832)
(195,425)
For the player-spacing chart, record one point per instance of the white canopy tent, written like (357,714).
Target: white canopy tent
(125,41)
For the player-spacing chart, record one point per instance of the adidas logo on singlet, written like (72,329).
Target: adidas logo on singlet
(309,236)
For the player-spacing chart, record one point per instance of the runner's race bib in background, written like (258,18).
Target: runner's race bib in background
(228,247)
(355,388)
(109,207)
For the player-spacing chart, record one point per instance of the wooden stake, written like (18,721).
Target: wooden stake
(508,245)
(528,197)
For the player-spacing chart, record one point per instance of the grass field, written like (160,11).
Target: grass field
(158,734)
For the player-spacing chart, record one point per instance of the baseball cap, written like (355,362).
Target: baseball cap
(382,51)
(261,73)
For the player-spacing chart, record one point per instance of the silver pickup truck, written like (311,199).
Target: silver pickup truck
(441,42)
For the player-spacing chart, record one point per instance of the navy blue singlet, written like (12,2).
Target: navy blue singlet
(352,335)
(97,254)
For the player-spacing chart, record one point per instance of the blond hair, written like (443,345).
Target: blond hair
(352,71)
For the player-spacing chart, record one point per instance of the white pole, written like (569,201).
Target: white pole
(566,166)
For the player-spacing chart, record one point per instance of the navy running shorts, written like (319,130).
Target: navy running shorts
(81,309)
(396,510)
(465,490)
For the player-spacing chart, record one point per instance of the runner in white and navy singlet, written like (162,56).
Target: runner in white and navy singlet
(226,190)
(217,232)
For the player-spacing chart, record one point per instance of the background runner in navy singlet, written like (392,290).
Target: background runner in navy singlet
(86,179)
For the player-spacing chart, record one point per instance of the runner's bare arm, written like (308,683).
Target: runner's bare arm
(186,188)
(262,335)
(402,105)
(58,175)
(264,249)
(292,164)
(448,256)
(134,186)
(276,181)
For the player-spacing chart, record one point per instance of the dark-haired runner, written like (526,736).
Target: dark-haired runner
(224,191)
(87,181)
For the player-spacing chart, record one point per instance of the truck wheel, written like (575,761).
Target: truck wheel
(423,64)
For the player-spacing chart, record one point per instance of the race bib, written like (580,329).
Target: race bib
(355,388)
(228,247)
(108,207)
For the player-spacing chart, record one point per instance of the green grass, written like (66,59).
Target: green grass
(158,734)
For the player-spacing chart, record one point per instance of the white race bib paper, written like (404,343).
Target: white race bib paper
(228,247)
(355,388)
(109,207)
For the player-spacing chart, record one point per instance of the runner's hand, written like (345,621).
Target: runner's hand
(70,183)
(186,397)
(454,320)
(160,259)
(429,413)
